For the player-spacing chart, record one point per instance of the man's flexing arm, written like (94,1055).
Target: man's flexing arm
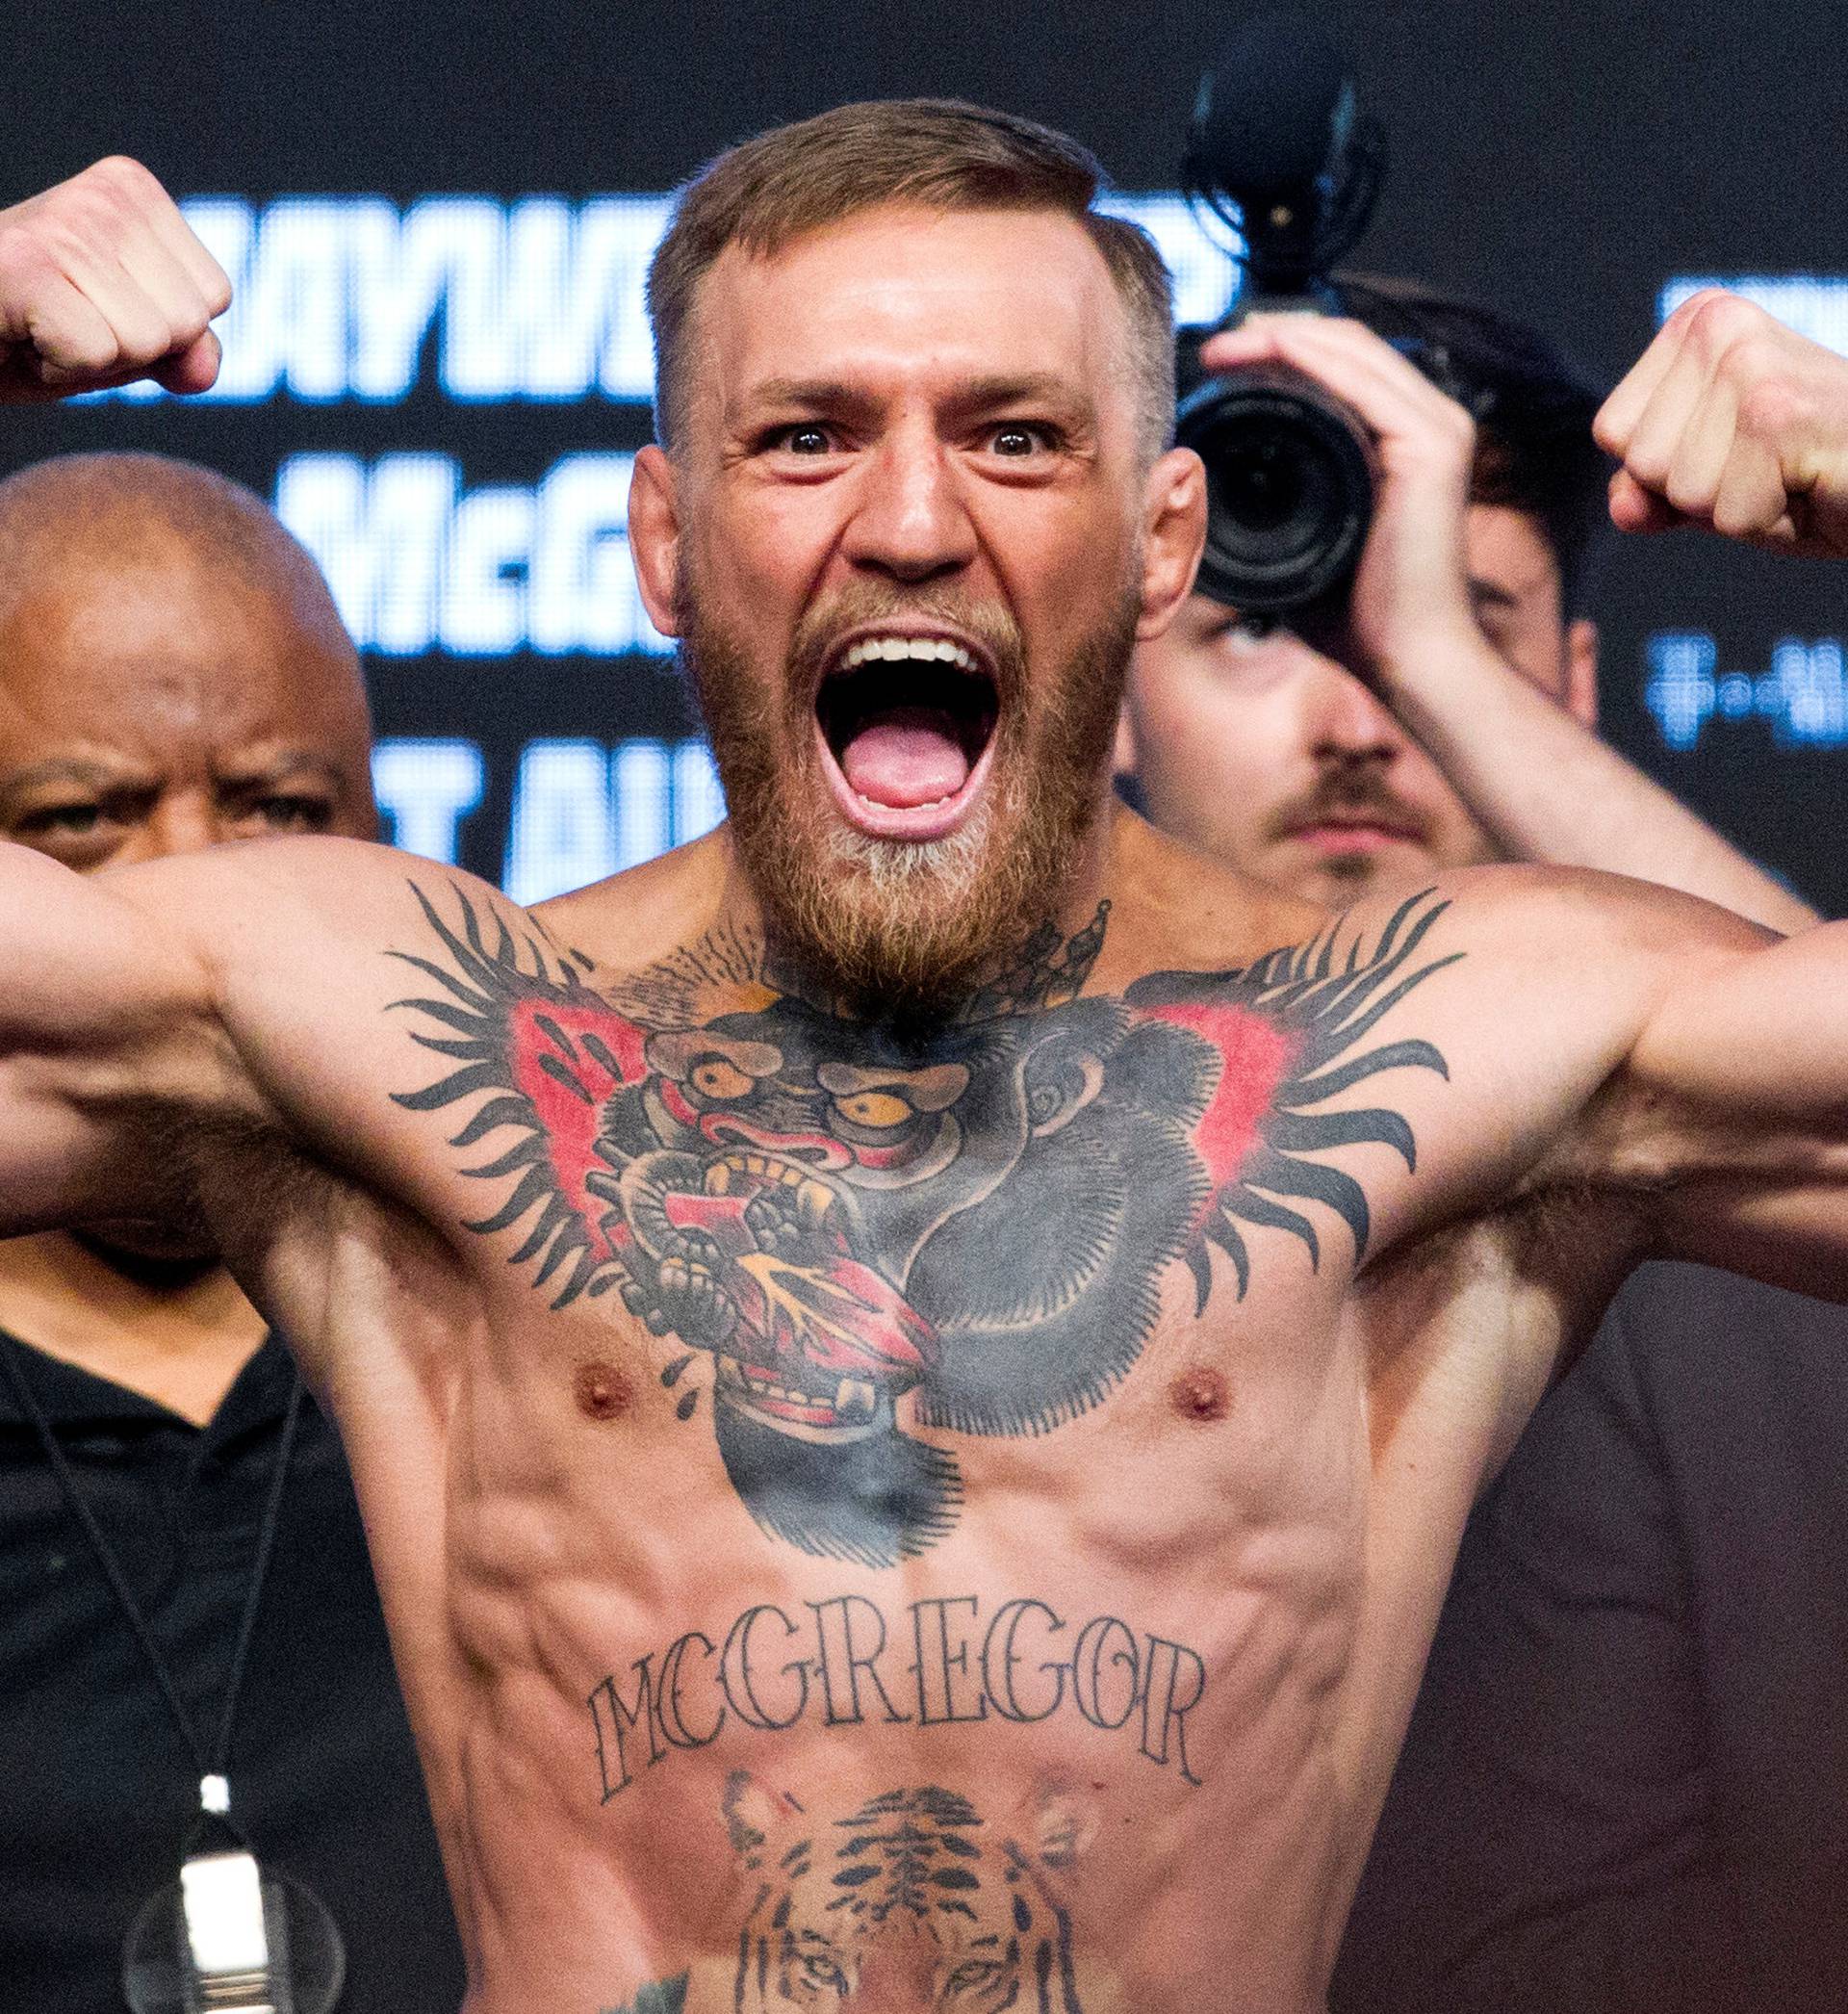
(1739,1113)
(105,1008)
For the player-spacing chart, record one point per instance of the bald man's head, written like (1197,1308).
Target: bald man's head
(173,671)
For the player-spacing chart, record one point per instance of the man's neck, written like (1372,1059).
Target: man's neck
(178,1340)
(1071,911)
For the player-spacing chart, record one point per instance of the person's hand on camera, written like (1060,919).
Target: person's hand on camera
(1411,592)
(1731,421)
(102,282)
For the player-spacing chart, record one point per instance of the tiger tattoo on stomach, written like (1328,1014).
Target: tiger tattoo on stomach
(910,1902)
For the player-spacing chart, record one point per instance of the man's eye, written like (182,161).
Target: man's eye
(72,820)
(1016,441)
(803,440)
(1249,631)
(284,813)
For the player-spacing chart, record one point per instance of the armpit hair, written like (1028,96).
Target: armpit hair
(232,1179)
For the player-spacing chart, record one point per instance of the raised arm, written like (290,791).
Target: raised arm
(107,1026)
(1739,1120)
(1533,772)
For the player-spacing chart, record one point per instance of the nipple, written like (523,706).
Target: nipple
(1200,1394)
(602,1391)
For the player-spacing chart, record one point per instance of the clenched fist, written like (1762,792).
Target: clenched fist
(1731,420)
(101,281)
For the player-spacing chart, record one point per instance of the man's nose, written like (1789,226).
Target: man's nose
(1348,722)
(912,523)
(182,821)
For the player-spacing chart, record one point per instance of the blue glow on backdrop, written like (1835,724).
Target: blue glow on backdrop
(338,298)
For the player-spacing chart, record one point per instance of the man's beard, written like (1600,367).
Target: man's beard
(907,930)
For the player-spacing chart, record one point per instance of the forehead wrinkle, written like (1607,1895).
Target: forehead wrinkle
(262,765)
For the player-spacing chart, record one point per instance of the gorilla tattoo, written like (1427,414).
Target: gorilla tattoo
(975,1220)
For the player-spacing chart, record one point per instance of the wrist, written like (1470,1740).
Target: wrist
(1434,660)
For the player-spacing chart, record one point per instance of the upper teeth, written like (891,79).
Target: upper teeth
(936,650)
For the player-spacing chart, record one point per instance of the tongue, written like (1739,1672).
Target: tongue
(904,758)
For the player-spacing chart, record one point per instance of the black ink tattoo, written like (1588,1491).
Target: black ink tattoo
(978,1220)
(661,1997)
(938,1661)
(911,1899)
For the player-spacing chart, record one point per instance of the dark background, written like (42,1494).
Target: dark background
(1561,166)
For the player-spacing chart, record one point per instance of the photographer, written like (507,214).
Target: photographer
(1442,713)
(1624,1778)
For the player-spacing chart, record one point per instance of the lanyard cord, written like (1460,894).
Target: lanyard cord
(13,1355)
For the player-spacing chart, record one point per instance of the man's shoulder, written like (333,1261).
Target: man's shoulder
(280,880)
(1198,915)
(1570,933)
(1188,910)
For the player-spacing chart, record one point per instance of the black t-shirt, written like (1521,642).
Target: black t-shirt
(1625,1784)
(98,1792)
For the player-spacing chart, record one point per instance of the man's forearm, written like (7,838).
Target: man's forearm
(1549,790)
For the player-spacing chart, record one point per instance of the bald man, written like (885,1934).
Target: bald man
(174,675)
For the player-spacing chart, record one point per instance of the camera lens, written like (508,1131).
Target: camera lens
(1258,484)
(1290,490)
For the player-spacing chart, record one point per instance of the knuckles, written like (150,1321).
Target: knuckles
(1770,407)
(1716,321)
(126,179)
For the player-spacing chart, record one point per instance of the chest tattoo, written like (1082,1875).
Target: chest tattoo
(834,1217)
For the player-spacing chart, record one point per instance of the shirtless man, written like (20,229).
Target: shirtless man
(914,1368)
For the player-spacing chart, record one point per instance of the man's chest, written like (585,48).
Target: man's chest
(855,1247)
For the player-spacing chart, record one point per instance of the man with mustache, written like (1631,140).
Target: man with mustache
(914,1478)
(1444,714)
(1610,1795)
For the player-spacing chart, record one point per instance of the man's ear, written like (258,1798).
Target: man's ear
(654,537)
(1173,536)
(1581,671)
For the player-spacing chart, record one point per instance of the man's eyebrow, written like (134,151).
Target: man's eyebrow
(832,395)
(805,395)
(1023,388)
(66,770)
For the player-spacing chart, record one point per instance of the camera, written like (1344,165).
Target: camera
(1280,152)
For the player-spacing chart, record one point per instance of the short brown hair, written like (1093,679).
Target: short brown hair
(937,152)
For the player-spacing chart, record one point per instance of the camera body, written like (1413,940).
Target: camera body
(1281,153)
(1289,483)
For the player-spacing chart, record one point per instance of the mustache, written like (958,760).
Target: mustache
(1349,792)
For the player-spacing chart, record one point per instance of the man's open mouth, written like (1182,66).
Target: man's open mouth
(907,722)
